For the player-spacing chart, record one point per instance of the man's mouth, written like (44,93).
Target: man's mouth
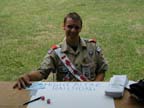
(73,34)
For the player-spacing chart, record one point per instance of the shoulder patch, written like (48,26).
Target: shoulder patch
(92,40)
(98,49)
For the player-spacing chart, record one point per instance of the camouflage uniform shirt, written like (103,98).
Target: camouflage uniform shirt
(88,59)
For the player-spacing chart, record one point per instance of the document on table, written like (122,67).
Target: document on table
(73,95)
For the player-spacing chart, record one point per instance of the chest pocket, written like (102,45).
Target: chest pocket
(89,70)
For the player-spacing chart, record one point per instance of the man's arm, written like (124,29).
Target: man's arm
(25,80)
(100,76)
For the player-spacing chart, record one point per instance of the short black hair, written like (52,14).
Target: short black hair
(74,16)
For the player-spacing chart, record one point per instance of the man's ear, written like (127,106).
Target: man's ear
(63,26)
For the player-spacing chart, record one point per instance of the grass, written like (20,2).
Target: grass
(28,28)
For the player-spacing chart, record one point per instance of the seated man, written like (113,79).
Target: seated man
(75,59)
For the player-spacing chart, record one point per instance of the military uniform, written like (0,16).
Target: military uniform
(88,59)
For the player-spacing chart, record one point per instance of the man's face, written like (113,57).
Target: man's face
(72,28)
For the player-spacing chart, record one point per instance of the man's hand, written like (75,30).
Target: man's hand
(25,80)
(22,82)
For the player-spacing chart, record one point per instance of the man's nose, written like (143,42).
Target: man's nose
(73,30)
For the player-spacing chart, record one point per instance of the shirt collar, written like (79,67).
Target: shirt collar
(65,46)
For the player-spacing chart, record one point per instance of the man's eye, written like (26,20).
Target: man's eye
(75,27)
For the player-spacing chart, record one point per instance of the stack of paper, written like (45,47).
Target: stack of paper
(116,86)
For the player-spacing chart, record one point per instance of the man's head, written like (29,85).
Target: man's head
(72,25)
(74,16)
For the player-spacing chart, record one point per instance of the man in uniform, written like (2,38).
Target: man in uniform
(75,59)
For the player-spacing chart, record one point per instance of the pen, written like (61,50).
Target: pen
(41,97)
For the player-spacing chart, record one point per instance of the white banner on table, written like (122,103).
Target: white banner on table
(73,95)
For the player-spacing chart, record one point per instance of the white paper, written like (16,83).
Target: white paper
(36,86)
(73,95)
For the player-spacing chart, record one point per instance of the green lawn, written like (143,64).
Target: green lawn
(28,28)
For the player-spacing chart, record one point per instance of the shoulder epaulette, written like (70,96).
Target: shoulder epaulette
(92,40)
(53,47)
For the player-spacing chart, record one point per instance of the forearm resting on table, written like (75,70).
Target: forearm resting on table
(35,76)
